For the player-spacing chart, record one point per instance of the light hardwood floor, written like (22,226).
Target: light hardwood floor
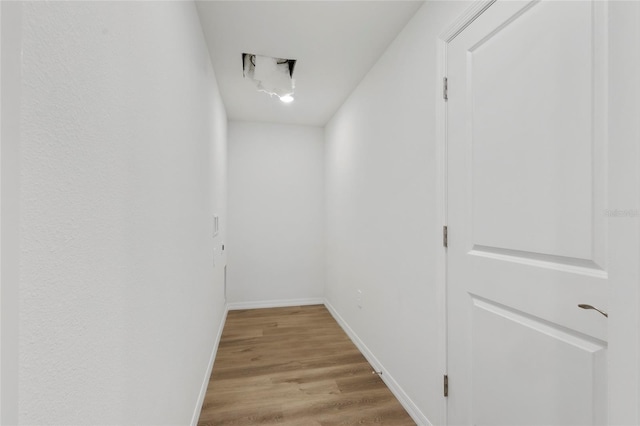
(294,366)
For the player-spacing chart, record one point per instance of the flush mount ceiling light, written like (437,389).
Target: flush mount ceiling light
(270,75)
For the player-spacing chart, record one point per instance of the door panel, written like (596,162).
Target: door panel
(526,138)
(520,174)
(552,381)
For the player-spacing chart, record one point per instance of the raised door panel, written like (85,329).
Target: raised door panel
(533,173)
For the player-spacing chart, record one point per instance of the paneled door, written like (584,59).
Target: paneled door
(526,140)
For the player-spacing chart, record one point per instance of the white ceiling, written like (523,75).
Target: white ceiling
(334,42)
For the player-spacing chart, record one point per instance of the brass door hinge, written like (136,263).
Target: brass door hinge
(445,236)
(446,385)
(445,88)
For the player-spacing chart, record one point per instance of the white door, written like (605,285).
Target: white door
(526,140)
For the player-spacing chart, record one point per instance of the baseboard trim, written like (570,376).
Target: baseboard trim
(205,381)
(395,388)
(275,303)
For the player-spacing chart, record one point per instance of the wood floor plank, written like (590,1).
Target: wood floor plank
(294,366)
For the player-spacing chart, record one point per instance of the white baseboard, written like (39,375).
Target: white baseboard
(395,388)
(205,381)
(275,303)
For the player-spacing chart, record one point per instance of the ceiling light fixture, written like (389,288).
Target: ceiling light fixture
(270,75)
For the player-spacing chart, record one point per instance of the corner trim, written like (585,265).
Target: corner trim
(205,382)
(283,303)
(393,386)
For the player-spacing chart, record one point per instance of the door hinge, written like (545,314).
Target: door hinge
(446,385)
(445,88)
(445,236)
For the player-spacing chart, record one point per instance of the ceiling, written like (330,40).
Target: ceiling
(334,42)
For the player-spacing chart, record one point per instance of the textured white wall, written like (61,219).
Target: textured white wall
(10,222)
(276,212)
(122,168)
(381,183)
(623,250)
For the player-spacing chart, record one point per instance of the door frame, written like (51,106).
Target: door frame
(624,132)
(444,38)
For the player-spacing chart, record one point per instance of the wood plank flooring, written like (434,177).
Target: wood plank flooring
(294,366)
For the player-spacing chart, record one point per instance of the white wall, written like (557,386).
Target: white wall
(382,230)
(276,213)
(9,215)
(122,168)
(624,233)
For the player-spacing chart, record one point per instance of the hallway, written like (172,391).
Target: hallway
(456,181)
